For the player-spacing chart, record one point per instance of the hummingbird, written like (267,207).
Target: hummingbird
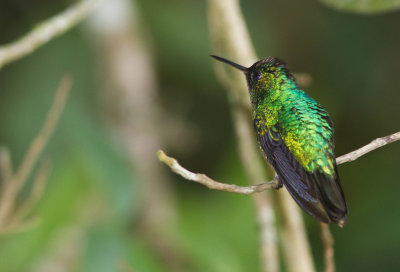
(295,135)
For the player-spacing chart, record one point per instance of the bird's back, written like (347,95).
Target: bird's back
(299,144)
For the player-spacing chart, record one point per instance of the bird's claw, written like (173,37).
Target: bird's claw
(278,182)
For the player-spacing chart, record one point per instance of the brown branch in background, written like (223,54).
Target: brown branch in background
(45,133)
(379,142)
(13,186)
(46,31)
(20,219)
(230,37)
(327,242)
(137,121)
(36,193)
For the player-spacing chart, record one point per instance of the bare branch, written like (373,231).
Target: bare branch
(327,242)
(379,142)
(247,190)
(46,31)
(17,181)
(212,184)
(45,133)
(35,193)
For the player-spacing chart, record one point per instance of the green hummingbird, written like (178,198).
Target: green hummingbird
(295,135)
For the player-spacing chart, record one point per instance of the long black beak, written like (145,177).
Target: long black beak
(237,66)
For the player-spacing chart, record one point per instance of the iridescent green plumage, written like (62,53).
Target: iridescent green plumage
(295,135)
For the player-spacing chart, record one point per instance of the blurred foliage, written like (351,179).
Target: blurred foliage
(363,6)
(94,194)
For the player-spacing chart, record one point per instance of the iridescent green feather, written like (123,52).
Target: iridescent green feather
(303,124)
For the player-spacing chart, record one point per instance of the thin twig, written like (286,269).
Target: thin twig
(379,142)
(46,31)
(213,184)
(19,220)
(247,190)
(45,133)
(36,193)
(18,180)
(327,242)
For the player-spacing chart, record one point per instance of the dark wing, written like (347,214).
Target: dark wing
(316,193)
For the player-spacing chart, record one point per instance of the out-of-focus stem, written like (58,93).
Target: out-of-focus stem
(13,186)
(296,249)
(231,39)
(327,242)
(135,116)
(46,31)
(39,143)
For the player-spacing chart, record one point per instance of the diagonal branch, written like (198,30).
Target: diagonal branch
(13,186)
(213,184)
(379,142)
(247,190)
(46,31)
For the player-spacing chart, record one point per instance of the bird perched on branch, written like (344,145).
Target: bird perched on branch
(295,135)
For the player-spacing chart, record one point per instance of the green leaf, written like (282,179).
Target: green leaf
(363,6)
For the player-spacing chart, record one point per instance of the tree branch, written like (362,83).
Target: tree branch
(13,186)
(213,184)
(327,242)
(379,142)
(45,31)
(273,184)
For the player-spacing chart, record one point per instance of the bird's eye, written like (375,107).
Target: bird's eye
(256,76)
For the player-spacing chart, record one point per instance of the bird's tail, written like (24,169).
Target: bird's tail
(332,197)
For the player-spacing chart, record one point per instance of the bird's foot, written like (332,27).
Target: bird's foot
(278,182)
(275,183)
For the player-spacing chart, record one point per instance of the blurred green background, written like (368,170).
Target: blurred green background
(90,216)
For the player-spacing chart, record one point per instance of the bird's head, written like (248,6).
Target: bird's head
(263,74)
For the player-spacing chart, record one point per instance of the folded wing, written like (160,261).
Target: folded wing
(318,194)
